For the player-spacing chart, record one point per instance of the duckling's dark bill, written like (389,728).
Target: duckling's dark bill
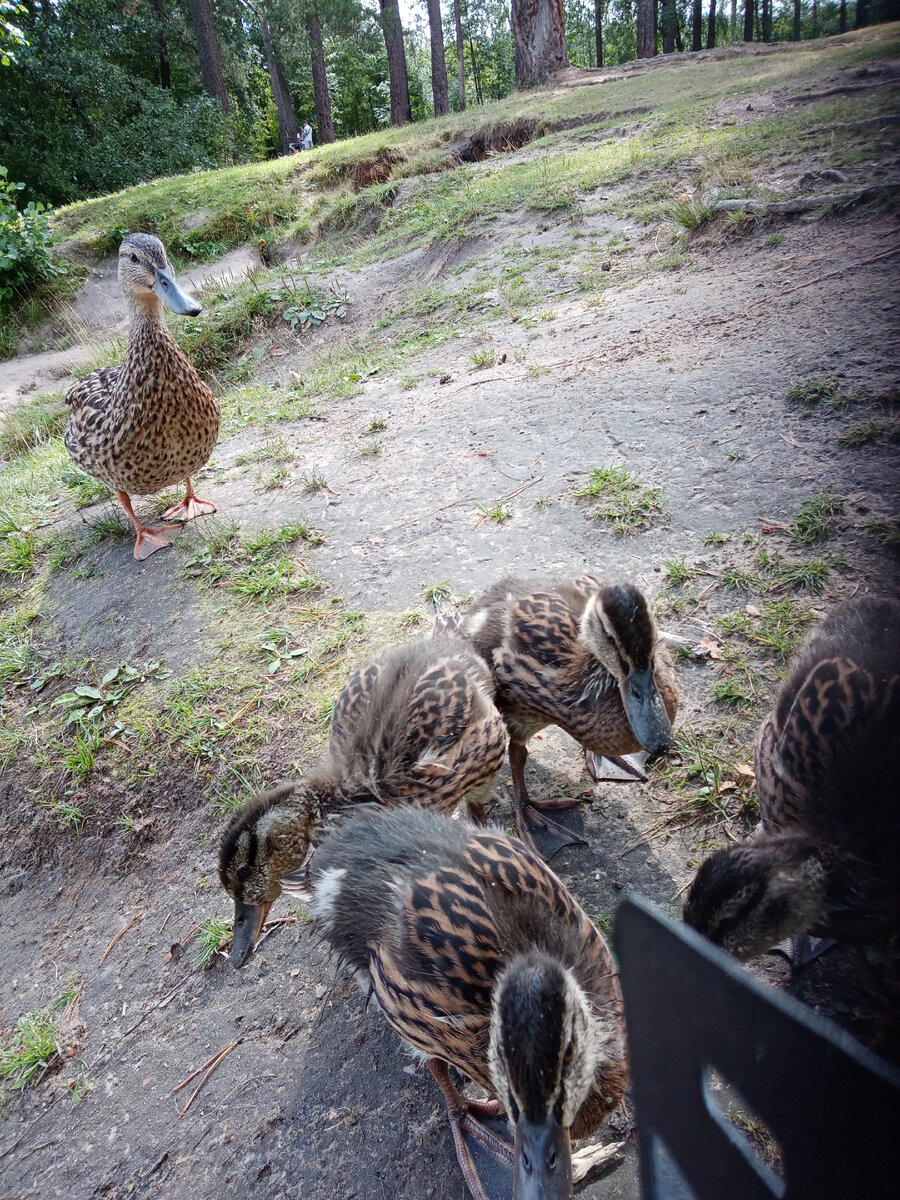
(542,1169)
(646,711)
(248,922)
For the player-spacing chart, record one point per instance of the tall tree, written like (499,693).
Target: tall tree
(766,20)
(711,26)
(842,23)
(797,13)
(539,30)
(460,55)
(670,26)
(749,14)
(321,94)
(862,13)
(697,25)
(209,51)
(439,87)
(598,30)
(165,70)
(401,112)
(646,28)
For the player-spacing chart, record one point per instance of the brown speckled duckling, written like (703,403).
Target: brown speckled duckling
(479,957)
(581,654)
(827,861)
(152,422)
(416,726)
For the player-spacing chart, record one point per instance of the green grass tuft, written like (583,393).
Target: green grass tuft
(622,500)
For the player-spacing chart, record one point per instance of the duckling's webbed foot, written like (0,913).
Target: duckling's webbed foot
(464,1124)
(591,1158)
(625,768)
(801,949)
(544,835)
(190,507)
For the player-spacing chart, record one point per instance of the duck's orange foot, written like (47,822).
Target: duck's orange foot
(189,509)
(148,541)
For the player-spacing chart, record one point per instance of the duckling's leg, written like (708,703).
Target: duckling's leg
(147,541)
(190,507)
(530,816)
(463,1120)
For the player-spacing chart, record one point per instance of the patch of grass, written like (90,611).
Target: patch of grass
(870,431)
(775,239)
(68,812)
(781,625)
(623,501)
(238,786)
(376,425)
(438,593)
(484,358)
(313,481)
(809,575)
(715,539)
(84,489)
(705,769)
(275,450)
(887,532)
(33,421)
(80,755)
(18,552)
(677,572)
(411,619)
(32,1050)
(259,568)
(212,936)
(691,213)
(496,512)
(816,390)
(811,523)
(370,449)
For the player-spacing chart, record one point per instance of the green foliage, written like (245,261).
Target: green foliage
(621,499)
(31,1050)
(25,241)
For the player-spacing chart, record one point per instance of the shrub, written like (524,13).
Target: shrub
(25,241)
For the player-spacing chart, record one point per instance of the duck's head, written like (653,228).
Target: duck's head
(617,628)
(266,842)
(545,1042)
(146,277)
(748,898)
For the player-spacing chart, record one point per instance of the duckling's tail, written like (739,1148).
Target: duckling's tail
(447,625)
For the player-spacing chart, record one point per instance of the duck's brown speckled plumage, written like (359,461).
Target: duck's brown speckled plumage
(827,763)
(415,726)
(152,422)
(434,912)
(148,424)
(529,633)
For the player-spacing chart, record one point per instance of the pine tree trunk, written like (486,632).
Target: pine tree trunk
(646,31)
(748,20)
(767,20)
(669,21)
(479,98)
(439,88)
(842,24)
(209,52)
(401,112)
(862,13)
(815,19)
(460,56)
(711,26)
(284,109)
(165,70)
(797,14)
(697,25)
(539,29)
(598,30)
(321,94)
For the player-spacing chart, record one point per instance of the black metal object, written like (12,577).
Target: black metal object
(833,1107)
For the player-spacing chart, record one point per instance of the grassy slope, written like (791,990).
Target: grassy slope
(678,146)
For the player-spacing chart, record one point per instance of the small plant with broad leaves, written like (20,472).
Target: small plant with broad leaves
(88,704)
(25,241)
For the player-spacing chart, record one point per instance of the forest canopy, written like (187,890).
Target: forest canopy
(96,95)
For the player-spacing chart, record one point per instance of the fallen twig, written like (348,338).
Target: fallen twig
(213,1063)
(159,1004)
(134,920)
(884,119)
(240,712)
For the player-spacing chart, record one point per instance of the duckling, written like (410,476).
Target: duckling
(583,655)
(480,958)
(827,761)
(143,426)
(416,726)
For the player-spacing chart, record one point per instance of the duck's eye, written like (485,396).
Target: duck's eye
(244,872)
(134,258)
(570,1050)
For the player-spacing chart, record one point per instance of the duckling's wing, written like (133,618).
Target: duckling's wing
(354,704)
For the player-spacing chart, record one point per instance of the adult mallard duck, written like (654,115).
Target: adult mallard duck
(827,764)
(480,958)
(416,726)
(583,655)
(152,422)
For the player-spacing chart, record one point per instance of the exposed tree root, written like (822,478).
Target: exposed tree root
(867,123)
(801,204)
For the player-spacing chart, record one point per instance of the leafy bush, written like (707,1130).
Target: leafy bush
(25,241)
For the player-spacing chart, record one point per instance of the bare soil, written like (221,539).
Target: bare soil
(682,377)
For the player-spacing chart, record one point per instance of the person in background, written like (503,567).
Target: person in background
(306,136)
